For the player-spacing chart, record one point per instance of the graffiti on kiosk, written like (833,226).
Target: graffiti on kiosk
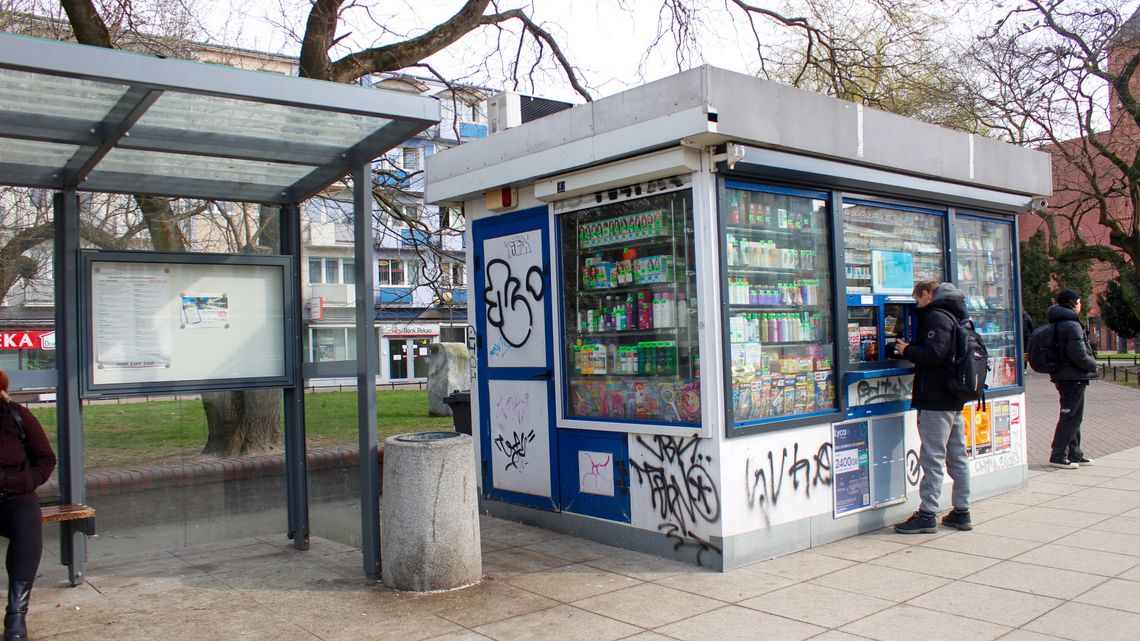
(764,481)
(913,469)
(515,448)
(517,246)
(995,463)
(599,478)
(681,491)
(883,390)
(508,304)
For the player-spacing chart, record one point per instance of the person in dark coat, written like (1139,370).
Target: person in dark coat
(941,427)
(26,462)
(1078,367)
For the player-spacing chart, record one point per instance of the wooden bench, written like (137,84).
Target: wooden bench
(61,513)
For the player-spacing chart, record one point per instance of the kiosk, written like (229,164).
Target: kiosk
(682,298)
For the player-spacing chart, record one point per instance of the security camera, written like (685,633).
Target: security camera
(1038,204)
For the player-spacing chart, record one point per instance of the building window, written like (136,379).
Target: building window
(450,218)
(397,273)
(331,271)
(456,274)
(411,158)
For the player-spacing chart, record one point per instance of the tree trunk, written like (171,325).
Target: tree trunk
(242,421)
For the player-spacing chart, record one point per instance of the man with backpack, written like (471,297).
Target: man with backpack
(941,307)
(1075,367)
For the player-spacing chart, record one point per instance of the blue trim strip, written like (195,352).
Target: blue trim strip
(878,409)
(780,419)
(878,373)
(890,205)
(772,189)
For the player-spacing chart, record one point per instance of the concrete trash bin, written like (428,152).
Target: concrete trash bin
(429,516)
(460,404)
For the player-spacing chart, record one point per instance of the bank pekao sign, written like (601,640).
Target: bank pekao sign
(410,330)
(27,340)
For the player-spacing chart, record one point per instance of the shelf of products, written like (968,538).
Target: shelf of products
(630,338)
(778,330)
(983,264)
(872,234)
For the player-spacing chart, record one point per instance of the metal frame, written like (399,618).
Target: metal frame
(286,264)
(143,80)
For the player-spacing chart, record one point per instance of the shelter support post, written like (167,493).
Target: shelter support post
(69,416)
(296,455)
(366,366)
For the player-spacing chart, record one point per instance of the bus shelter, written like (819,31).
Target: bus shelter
(84,119)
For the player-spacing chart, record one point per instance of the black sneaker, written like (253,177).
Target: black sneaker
(1064,464)
(919,522)
(1082,461)
(958,519)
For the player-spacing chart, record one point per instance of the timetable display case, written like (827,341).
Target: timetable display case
(984,265)
(630,331)
(779,336)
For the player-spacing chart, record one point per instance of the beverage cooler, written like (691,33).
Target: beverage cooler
(684,316)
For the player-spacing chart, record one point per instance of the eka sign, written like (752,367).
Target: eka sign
(27,340)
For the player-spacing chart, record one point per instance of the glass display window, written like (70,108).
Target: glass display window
(983,263)
(630,348)
(779,333)
(888,248)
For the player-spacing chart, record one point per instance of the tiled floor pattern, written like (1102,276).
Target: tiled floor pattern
(1057,560)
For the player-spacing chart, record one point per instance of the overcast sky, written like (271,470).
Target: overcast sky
(606,39)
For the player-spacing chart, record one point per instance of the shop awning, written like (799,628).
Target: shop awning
(102,120)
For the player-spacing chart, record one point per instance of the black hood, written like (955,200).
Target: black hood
(1058,313)
(950,298)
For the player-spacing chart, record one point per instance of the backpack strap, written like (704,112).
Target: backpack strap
(19,421)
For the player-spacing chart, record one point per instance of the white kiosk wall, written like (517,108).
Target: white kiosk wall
(157,320)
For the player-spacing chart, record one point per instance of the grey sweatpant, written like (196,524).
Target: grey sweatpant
(943,438)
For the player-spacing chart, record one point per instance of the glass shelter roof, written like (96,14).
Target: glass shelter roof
(93,119)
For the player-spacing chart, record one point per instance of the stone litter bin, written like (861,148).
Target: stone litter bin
(429,517)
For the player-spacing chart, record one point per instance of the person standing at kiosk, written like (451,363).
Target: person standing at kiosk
(940,425)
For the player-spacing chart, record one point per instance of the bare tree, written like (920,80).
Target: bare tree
(1061,76)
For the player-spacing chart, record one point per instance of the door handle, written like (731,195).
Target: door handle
(544,375)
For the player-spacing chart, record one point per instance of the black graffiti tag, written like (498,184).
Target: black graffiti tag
(508,308)
(884,390)
(514,449)
(764,485)
(913,470)
(680,488)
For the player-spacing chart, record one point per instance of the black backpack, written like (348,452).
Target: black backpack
(969,363)
(1044,357)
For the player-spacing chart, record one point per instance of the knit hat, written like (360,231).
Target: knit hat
(1068,297)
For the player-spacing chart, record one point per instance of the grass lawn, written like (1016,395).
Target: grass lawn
(137,434)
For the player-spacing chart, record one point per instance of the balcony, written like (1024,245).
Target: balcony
(413,237)
(394,295)
(328,235)
(334,294)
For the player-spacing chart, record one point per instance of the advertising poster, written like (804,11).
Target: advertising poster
(852,467)
(205,311)
(892,272)
(968,426)
(999,424)
(983,439)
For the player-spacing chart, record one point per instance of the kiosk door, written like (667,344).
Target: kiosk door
(515,351)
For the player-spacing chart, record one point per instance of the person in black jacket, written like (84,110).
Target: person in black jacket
(26,461)
(1078,367)
(940,425)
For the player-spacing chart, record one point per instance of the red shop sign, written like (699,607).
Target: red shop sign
(27,340)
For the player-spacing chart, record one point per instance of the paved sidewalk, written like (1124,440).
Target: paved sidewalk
(1060,559)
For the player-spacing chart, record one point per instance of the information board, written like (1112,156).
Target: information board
(852,467)
(173,322)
